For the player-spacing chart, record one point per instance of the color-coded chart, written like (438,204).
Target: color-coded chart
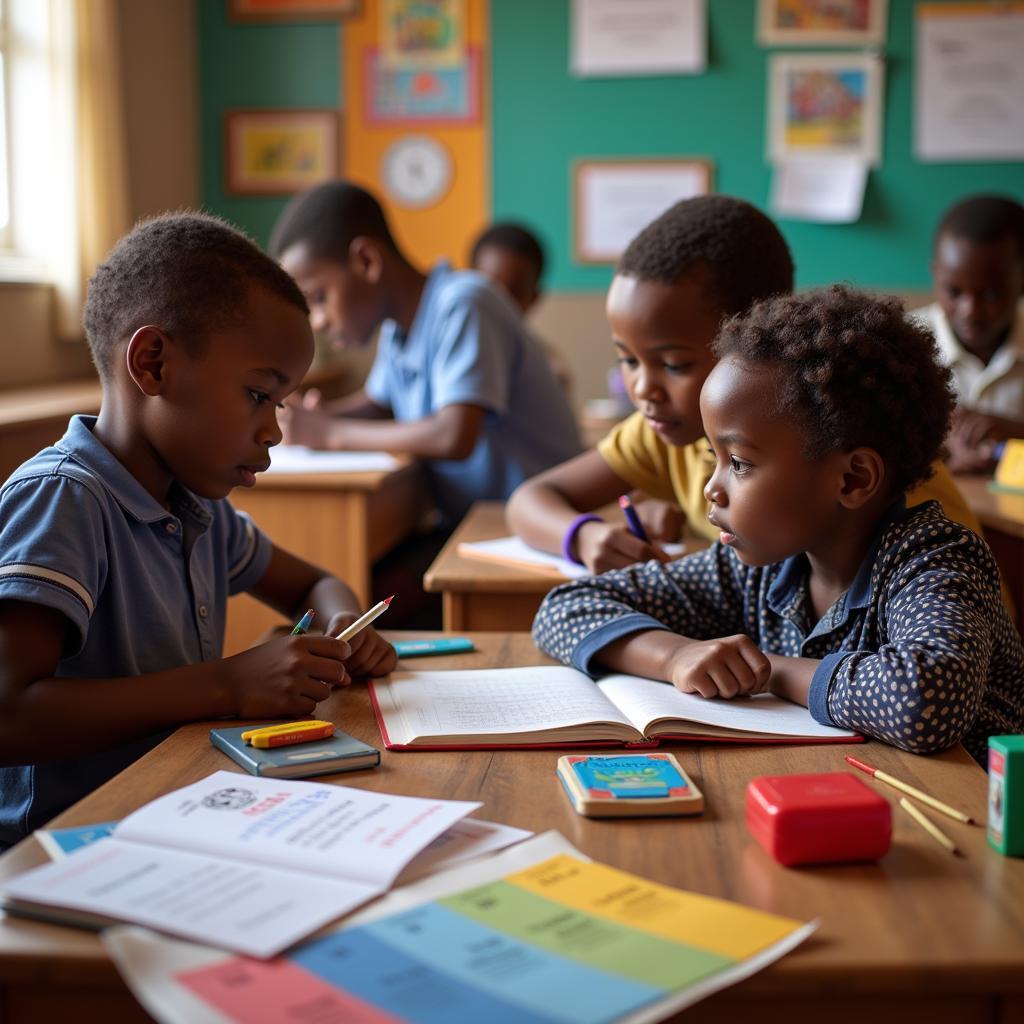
(564,941)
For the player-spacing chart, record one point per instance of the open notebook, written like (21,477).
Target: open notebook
(513,551)
(246,863)
(558,706)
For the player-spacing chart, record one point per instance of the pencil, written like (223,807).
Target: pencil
(302,626)
(364,620)
(930,827)
(903,787)
(633,520)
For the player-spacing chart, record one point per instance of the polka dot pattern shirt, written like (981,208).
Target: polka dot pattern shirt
(918,653)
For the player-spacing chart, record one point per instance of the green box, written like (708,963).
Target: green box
(1006,794)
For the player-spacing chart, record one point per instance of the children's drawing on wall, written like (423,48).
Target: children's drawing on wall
(825,105)
(278,152)
(422,33)
(822,22)
(443,94)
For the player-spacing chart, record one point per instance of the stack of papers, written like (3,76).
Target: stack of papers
(536,934)
(248,864)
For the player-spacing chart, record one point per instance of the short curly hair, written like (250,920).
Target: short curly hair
(187,273)
(854,372)
(739,248)
(326,218)
(515,238)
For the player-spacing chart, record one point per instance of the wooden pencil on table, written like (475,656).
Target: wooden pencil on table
(905,787)
(930,827)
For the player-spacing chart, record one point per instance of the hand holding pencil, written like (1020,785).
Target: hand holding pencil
(371,654)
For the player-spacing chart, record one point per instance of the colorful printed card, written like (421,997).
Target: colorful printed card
(562,941)
(630,784)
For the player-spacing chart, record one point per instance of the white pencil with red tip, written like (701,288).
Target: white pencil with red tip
(364,620)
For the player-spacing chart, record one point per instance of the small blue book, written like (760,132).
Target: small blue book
(338,753)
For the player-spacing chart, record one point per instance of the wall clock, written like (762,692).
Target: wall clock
(416,171)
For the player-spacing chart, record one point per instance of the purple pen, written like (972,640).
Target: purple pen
(632,519)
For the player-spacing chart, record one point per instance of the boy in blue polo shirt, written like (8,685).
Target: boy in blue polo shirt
(118,550)
(457,381)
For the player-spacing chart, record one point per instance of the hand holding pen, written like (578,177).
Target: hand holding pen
(632,519)
(602,546)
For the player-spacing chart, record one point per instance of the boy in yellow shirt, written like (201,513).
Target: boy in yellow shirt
(702,260)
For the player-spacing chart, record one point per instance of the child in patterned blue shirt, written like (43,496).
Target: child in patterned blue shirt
(823,410)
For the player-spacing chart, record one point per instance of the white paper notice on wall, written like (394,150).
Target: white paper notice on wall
(829,190)
(638,37)
(969,89)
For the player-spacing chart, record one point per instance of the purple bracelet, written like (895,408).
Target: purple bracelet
(570,535)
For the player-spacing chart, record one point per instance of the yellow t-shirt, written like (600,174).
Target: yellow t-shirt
(637,454)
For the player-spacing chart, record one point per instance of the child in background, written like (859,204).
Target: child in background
(823,587)
(457,380)
(978,320)
(118,550)
(702,260)
(512,256)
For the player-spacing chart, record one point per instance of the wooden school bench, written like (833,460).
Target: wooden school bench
(484,595)
(919,935)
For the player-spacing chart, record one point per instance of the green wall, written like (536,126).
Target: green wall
(271,65)
(543,119)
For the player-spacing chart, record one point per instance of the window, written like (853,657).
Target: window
(37,154)
(5,201)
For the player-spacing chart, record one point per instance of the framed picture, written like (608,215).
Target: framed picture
(422,33)
(614,199)
(278,152)
(291,10)
(420,96)
(825,104)
(822,22)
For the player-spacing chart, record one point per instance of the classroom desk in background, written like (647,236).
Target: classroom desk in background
(33,418)
(342,522)
(1002,520)
(478,594)
(921,935)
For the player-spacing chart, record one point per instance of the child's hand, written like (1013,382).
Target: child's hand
(731,666)
(663,520)
(286,677)
(604,546)
(303,425)
(371,654)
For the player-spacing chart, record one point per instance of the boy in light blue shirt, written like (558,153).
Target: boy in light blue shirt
(457,380)
(118,550)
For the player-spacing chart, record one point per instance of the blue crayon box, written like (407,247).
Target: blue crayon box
(628,785)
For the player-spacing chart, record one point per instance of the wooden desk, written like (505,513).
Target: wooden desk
(480,595)
(33,418)
(1002,520)
(920,935)
(342,522)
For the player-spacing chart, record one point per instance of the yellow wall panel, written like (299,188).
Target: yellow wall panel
(446,229)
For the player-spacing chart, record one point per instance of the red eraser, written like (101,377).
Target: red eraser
(818,819)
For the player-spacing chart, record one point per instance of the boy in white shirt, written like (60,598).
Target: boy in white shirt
(978,320)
